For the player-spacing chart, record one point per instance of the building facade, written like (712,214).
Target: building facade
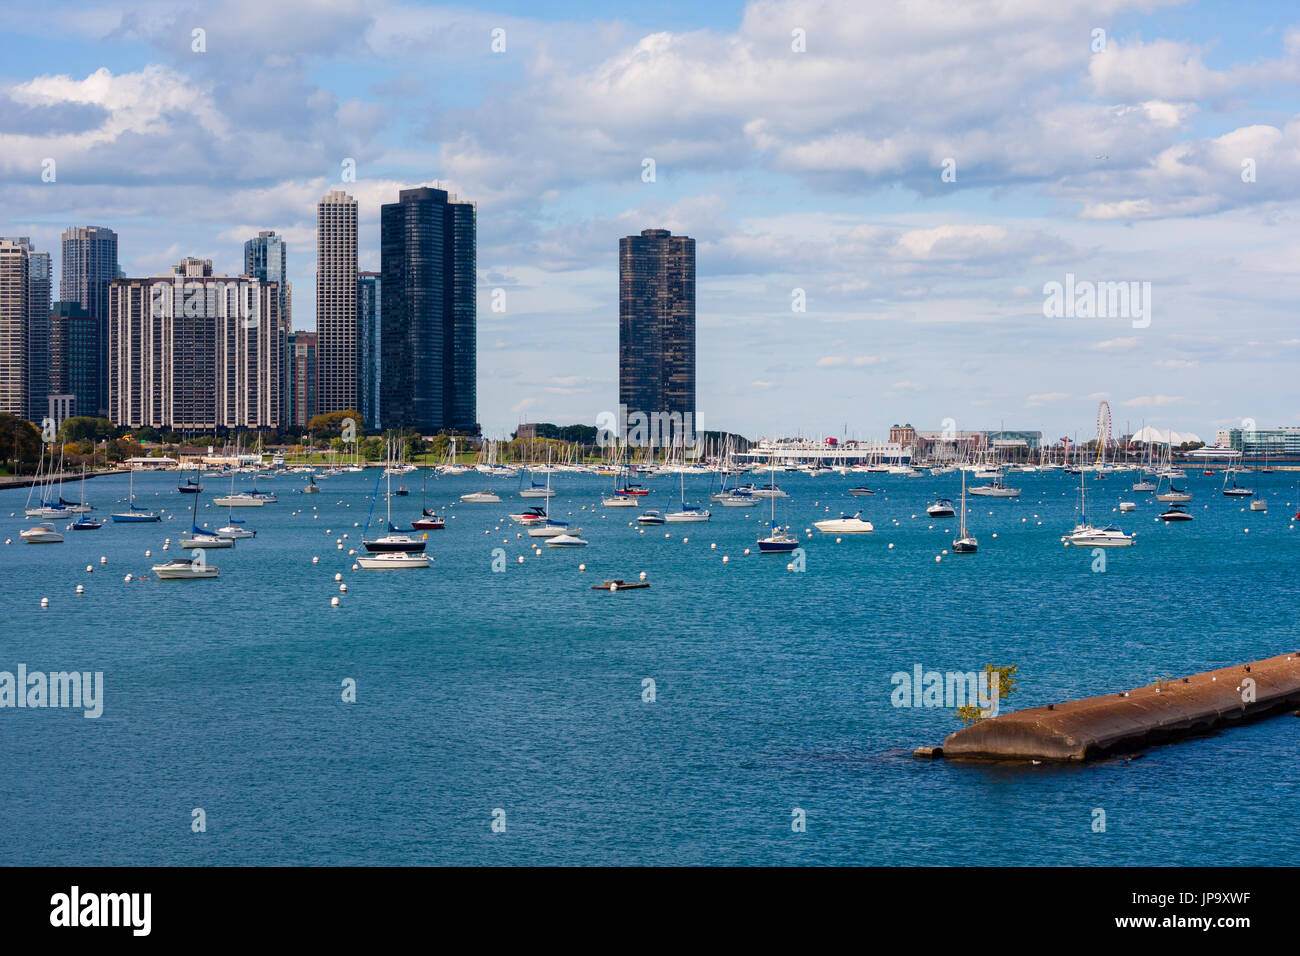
(369,351)
(39,289)
(266,258)
(15,277)
(336,303)
(74,357)
(428,329)
(89,268)
(656,326)
(302,378)
(194,351)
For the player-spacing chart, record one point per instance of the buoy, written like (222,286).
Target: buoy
(148,554)
(315,560)
(356,567)
(713,546)
(127,579)
(937,559)
(582,567)
(891,546)
(613,586)
(338,577)
(334,602)
(838,540)
(725,559)
(747,550)
(103,560)
(521,559)
(90,568)
(45,602)
(686,540)
(642,575)
(343,589)
(81,589)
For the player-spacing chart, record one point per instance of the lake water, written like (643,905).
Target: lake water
(522,690)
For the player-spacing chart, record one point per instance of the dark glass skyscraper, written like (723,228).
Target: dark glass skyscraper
(369,355)
(89,268)
(656,324)
(429,314)
(74,356)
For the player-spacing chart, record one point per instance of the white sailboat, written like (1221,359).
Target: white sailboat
(1086,535)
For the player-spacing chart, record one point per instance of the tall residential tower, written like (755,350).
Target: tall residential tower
(656,324)
(429,314)
(336,303)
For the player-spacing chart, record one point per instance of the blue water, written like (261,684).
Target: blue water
(522,690)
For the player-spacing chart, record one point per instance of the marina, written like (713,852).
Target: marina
(745,717)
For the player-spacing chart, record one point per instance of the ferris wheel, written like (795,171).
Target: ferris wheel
(1103,429)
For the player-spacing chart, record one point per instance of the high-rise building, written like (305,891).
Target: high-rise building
(89,267)
(336,303)
(369,354)
(656,325)
(195,351)
(15,279)
(74,356)
(266,258)
(39,289)
(429,313)
(302,378)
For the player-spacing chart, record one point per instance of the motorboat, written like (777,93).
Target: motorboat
(182,569)
(480,497)
(1087,536)
(529,516)
(650,518)
(243,499)
(861,492)
(86,523)
(619,500)
(995,489)
(1175,514)
(845,524)
(688,513)
(566,541)
(394,561)
(942,508)
(1127,506)
(429,522)
(41,534)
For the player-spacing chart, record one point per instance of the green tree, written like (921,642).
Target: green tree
(83,428)
(20,443)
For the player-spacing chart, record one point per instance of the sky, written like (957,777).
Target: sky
(915,174)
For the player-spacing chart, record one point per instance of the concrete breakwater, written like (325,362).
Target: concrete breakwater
(1163,712)
(71,477)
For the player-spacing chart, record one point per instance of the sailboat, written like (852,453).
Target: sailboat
(687,512)
(546,526)
(1230,488)
(84,522)
(191,486)
(393,541)
(965,542)
(134,514)
(203,538)
(232,528)
(779,541)
(428,521)
(1085,535)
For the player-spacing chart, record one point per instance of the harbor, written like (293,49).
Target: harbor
(505,674)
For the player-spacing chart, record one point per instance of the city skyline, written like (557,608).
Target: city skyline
(923,291)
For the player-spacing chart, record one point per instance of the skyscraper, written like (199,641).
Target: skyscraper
(74,356)
(369,373)
(196,351)
(428,329)
(89,267)
(15,278)
(302,378)
(656,324)
(265,258)
(336,303)
(39,289)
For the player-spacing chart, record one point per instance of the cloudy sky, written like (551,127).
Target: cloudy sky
(921,170)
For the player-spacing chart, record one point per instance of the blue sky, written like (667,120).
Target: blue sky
(817,170)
